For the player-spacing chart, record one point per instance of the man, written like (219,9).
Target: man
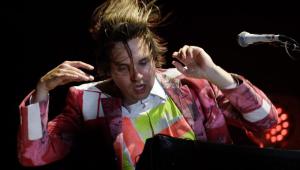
(196,100)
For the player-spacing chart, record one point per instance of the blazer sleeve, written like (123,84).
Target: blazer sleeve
(41,142)
(247,106)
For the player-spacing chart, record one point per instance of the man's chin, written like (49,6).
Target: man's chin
(142,96)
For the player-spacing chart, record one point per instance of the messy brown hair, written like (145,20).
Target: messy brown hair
(122,20)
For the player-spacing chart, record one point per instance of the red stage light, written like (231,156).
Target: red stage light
(283,116)
(279,109)
(278,128)
(285,124)
(284,132)
(279,138)
(280,131)
(273,139)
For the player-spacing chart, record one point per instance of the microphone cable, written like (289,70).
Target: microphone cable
(290,45)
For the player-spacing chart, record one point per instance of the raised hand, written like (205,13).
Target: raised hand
(68,71)
(195,62)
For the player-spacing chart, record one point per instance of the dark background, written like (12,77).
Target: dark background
(38,36)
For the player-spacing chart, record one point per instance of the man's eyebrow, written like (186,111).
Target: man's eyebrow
(145,57)
(118,63)
(121,62)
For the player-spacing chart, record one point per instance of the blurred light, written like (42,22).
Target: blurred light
(280,131)
(273,131)
(279,110)
(279,120)
(279,138)
(283,116)
(285,124)
(278,128)
(273,139)
(284,132)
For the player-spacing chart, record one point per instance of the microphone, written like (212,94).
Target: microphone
(245,38)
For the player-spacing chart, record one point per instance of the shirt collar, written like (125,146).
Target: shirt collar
(158,90)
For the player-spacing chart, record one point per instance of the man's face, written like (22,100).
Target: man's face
(133,75)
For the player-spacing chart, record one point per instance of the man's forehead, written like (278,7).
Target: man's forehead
(137,49)
(126,59)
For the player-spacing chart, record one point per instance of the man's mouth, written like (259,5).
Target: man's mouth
(140,88)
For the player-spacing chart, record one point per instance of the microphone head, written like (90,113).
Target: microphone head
(245,38)
(242,39)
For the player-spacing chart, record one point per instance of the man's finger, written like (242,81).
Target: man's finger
(80,64)
(179,67)
(73,74)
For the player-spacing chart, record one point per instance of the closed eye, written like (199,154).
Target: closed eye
(144,61)
(122,67)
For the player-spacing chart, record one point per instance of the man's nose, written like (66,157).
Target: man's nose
(136,75)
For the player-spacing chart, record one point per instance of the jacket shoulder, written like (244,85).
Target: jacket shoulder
(107,88)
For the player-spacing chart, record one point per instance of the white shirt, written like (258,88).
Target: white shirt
(157,96)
